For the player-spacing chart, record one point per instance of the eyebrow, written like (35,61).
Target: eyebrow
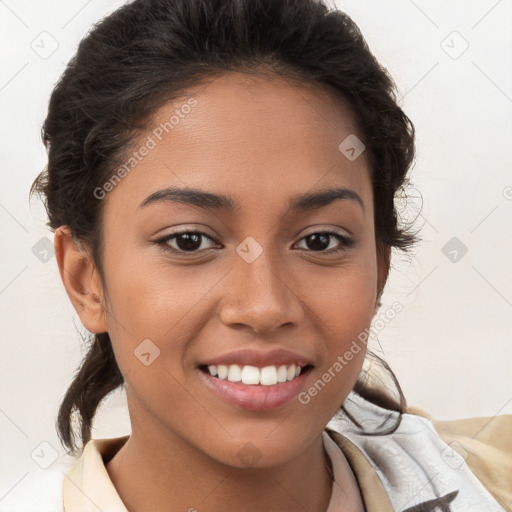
(220,202)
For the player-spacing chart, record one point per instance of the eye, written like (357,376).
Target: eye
(192,242)
(186,241)
(318,241)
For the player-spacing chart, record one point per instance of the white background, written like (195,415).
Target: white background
(451,346)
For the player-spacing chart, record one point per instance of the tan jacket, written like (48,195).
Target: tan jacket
(464,463)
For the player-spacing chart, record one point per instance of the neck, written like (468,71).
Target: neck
(150,477)
(159,469)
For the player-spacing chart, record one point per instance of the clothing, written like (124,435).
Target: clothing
(466,464)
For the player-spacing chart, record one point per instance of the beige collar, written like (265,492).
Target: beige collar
(374,495)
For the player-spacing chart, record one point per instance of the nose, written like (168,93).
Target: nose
(260,296)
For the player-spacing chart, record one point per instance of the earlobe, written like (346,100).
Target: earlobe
(81,280)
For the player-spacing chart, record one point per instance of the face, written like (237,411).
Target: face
(243,280)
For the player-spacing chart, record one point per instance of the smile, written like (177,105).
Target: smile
(252,375)
(253,388)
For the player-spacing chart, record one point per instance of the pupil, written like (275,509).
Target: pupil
(192,241)
(315,237)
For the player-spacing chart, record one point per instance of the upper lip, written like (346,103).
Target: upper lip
(260,359)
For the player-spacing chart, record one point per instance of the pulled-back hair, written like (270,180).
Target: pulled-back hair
(149,52)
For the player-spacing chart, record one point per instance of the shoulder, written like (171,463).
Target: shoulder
(419,462)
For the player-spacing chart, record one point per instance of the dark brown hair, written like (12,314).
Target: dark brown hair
(149,52)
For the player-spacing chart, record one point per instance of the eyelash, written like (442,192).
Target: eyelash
(346,242)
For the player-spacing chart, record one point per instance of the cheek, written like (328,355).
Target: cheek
(344,305)
(149,296)
(344,327)
(344,298)
(154,316)
(151,301)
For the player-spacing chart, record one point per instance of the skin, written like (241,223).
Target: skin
(261,142)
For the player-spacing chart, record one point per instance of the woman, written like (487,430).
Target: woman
(221,181)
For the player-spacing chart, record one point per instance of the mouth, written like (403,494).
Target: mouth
(256,376)
(255,388)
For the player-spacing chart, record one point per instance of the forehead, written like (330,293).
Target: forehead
(257,137)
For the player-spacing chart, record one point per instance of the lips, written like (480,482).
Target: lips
(271,392)
(255,397)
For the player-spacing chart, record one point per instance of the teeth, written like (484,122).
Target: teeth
(222,371)
(281,374)
(268,376)
(234,373)
(252,375)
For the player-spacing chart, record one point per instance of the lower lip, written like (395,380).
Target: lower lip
(255,397)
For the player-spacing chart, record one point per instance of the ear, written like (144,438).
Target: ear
(81,280)
(383,263)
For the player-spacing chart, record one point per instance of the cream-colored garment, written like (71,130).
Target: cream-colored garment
(87,486)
